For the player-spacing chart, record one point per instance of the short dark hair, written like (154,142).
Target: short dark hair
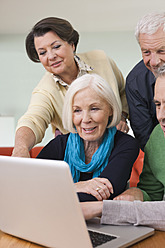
(60,26)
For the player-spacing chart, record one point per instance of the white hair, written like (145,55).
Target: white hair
(161,71)
(101,87)
(150,23)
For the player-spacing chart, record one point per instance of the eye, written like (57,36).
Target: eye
(76,110)
(161,51)
(146,52)
(94,108)
(157,105)
(42,53)
(57,46)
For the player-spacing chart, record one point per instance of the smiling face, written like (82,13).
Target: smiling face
(153,49)
(90,115)
(55,54)
(159,100)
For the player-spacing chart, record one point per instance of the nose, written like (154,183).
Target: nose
(51,55)
(161,115)
(155,60)
(86,117)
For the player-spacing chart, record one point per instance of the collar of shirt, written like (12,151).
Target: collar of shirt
(83,69)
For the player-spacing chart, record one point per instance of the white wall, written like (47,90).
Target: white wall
(19,75)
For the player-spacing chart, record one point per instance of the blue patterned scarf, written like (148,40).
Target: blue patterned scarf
(75,155)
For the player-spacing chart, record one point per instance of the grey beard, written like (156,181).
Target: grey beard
(160,71)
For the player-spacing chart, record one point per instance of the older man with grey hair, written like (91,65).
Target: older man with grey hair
(150,34)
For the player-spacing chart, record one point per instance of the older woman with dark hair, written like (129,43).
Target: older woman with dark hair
(99,156)
(53,42)
(60,27)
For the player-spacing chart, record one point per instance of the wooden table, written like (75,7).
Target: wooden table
(8,241)
(155,241)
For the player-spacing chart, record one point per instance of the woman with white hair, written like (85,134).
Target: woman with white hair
(99,156)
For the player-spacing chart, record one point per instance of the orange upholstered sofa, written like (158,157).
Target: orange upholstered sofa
(136,170)
(7,151)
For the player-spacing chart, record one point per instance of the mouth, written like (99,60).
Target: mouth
(89,130)
(55,64)
(163,127)
(154,69)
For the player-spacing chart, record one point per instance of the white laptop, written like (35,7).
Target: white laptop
(38,203)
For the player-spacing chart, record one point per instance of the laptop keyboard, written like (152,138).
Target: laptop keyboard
(99,238)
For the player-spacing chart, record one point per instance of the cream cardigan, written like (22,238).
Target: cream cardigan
(47,98)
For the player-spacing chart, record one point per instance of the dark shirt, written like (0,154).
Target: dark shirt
(139,89)
(119,166)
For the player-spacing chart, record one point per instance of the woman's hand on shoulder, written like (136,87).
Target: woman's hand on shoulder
(122,126)
(101,188)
